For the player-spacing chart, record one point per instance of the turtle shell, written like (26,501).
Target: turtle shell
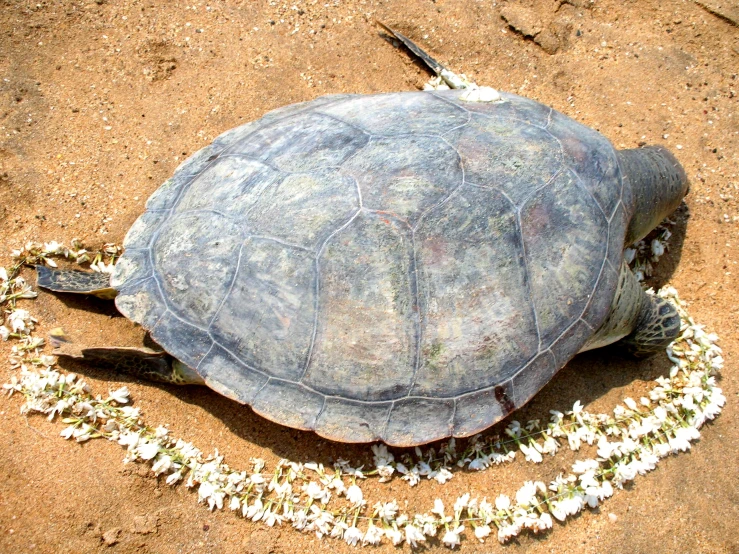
(399,267)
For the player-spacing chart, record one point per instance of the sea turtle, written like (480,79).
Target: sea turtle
(398,267)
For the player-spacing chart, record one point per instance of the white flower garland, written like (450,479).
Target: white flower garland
(329,502)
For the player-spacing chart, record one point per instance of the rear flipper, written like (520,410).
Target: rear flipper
(658,325)
(75,281)
(142,362)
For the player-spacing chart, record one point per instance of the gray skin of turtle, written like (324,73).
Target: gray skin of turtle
(399,267)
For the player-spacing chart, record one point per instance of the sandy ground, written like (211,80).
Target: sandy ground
(101,100)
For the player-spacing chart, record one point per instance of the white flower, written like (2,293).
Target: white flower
(413,535)
(67,433)
(120,395)
(395,536)
(438,508)
(442,476)
(316,492)
(148,450)
(53,247)
(550,446)
(172,479)
(373,535)
(162,464)
(657,248)
(355,496)
(481,532)
(526,495)
(352,536)
(412,476)
(461,503)
(505,532)
(3,274)
(544,522)
(502,502)
(19,320)
(253,512)
(479,463)
(4,332)
(270,518)
(584,466)
(531,453)
(451,537)
(387,511)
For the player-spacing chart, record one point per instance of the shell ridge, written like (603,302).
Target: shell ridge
(469,118)
(266,163)
(242,362)
(320,412)
(315,320)
(555,137)
(527,272)
(533,193)
(280,241)
(383,434)
(261,388)
(207,210)
(197,367)
(318,288)
(590,193)
(451,193)
(607,242)
(277,120)
(457,104)
(230,288)
(453,415)
(615,210)
(418,328)
(340,120)
(513,118)
(549,118)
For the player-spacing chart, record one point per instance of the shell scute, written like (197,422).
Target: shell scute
(267,316)
(398,114)
(305,143)
(405,176)
(473,290)
(514,157)
(563,233)
(366,330)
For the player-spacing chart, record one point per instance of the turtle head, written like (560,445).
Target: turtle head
(658,185)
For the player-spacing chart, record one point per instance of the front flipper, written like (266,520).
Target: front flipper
(658,326)
(76,282)
(643,323)
(142,362)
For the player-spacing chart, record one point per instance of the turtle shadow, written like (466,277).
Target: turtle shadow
(586,378)
(241,420)
(591,376)
(88,303)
